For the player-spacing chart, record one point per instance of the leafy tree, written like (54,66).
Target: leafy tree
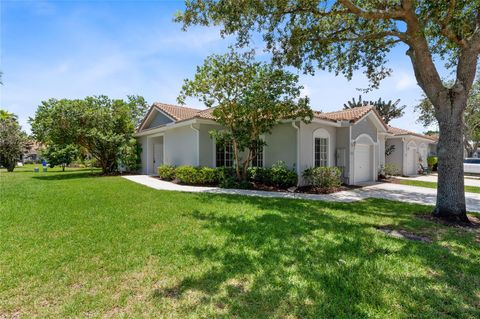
(344,36)
(12,141)
(471,137)
(104,127)
(5,115)
(249,97)
(388,110)
(63,155)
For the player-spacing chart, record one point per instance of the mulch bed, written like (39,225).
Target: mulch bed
(314,190)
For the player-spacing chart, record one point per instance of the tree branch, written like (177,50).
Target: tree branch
(394,14)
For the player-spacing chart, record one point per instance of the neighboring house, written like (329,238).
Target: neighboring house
(31,152)
(353,140)
(410,150)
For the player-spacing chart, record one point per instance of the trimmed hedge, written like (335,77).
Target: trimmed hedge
(166,172)
(323,177)
(391,170)
(432,161)
(279,175)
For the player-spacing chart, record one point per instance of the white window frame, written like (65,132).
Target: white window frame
(263,158)
(215,156)
(321,133)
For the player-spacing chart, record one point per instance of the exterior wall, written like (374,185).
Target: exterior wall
(306,144)
(158,120)
(181,146)
(281,146)
(207,145)
(432,149)
(365,126)
(147,156)
(396,157)
(343,145)
(381,150)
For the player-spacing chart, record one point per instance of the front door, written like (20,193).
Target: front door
(157,157)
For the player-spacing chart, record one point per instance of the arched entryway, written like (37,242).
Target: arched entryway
(364,159)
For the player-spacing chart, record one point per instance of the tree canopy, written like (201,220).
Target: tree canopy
(104,127)
(12,140)
(426,116)
(388,110)
(248,97)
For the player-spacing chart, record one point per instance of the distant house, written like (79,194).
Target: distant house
(352,139)
(31,152)
(410,150)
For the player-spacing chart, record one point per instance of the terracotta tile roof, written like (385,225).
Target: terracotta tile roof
(400,132)
(177,112)
(351,115)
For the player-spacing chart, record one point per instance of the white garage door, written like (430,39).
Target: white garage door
(363,163)
(411,161)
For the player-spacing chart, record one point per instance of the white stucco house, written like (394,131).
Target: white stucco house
(353,140)
(411,150)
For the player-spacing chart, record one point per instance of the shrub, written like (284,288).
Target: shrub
(391,170)
(323,177)
(187,175)
(166,172)
(227,178)
(260,175)
(282,176)
(432,161)
(207,176)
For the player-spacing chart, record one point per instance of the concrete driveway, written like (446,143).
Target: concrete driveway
(398,192)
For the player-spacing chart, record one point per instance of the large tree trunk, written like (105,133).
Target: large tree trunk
(450,192)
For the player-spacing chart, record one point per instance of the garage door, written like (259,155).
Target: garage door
(363,163)
(411,161)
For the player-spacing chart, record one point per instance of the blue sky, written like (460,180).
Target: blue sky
(73,49)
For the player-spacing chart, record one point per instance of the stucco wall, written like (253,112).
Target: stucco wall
(365,126)
(281,145)
(207,146)
(397,156)
(181,146)
(343,143)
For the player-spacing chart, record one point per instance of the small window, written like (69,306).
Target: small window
(257,159)
(321,151)
(224,155)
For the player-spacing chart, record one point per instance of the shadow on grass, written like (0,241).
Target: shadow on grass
(56,176)
(317,259)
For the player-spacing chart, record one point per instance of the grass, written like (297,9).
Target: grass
(77,245)
(468,189)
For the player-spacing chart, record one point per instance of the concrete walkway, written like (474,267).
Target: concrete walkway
(470,181)
(403,193)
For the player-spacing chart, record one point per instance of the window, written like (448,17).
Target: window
(321,151)
(257,159)
(224,155)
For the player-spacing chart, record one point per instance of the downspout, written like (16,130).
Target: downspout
(297,128)
(197,131)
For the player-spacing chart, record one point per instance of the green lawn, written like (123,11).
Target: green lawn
(76,245)
(469,189)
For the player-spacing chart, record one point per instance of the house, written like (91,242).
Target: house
(409,150)
(31,152)
(353,140)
